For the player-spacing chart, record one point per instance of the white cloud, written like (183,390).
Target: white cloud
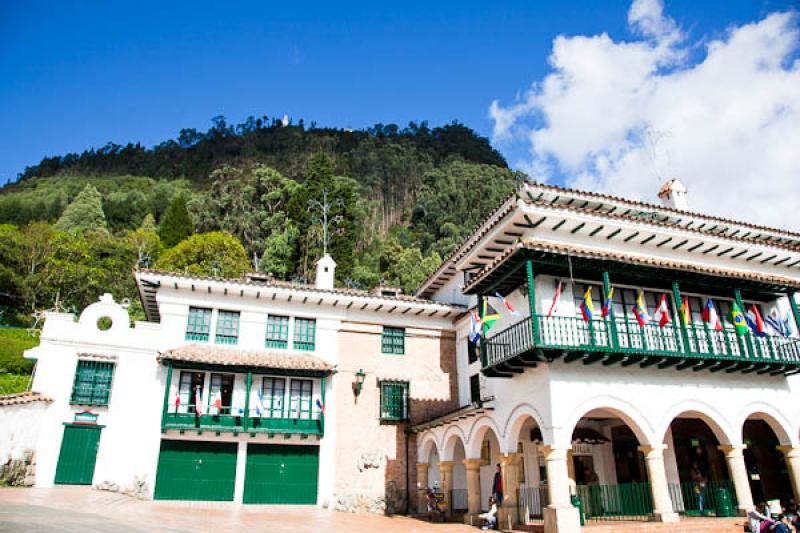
(727,125)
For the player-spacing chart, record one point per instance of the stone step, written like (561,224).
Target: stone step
(686,525)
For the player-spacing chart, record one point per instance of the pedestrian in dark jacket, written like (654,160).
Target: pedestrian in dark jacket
(497,486)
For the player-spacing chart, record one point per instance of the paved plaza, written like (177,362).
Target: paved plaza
(82,510)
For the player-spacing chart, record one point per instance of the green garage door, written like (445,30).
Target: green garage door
(281,474)
(78,455)
(190,470)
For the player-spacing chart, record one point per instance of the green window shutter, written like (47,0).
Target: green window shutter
(272,392)
(394,400)
(300,399)
(92,385)
(227,327)
(277,332)
(393,341)
(304,332)
(199,324)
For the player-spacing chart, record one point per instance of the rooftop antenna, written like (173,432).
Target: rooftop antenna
(322,216)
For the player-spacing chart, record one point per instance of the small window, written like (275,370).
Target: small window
(272,392)
(199,324)
(393,340)
(227,327)
(304,331)
(190,391)
(220,395)
(300,399)
(92,385)
(475,388)
(394,400)
(277,332)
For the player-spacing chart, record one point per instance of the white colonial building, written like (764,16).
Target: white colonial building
(252,390)
(259,391)
(624,420)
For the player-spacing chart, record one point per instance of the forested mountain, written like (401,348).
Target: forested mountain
(236,198)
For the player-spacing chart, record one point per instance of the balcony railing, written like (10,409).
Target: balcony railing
(615,340)
(239,423)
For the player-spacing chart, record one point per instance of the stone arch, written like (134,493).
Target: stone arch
(427,442)
(713,418)
(476,433)
(779,424)
(516,420)
(452,436)
(625,411)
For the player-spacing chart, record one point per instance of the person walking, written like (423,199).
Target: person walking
(497,486)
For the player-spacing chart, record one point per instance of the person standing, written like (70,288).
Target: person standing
(497,486)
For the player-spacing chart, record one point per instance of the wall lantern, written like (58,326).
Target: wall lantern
(359,382)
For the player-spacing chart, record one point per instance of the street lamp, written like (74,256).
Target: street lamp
(359,382)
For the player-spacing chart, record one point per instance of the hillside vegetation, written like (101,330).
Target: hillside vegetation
(242,197)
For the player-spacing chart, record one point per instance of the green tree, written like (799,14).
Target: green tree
(207,254)
(85,213)
(149,223)
(12,272)
(252,204)
(176,224)
(406,267)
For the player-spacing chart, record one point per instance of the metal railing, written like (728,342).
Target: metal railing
(693,498)
(628,337)
(227,420)
(625,501)
(531,501)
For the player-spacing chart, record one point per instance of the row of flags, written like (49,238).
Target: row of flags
(259,404)
(743,323)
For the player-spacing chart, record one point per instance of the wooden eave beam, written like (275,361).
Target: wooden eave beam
(662,243)
(631,236)
(710,249)
(613,234)
(680,244)
(725,251)
(577,228)
(597,230)
(734,256)
(558,225)
(648,239)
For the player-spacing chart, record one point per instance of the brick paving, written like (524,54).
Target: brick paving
(81,510)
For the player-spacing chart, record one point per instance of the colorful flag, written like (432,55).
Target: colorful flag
(586,305)
(710,316)
(218,402)
(490,315)
(198,401)
(474,327)
(607,305)
(754,322)
(685,313)
(507,304)
(320,406)
(556,299)
(781,327)
(738,320)
(177,402)
(662,312)
(640,310)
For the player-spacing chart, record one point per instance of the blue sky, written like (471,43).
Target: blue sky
(80,74)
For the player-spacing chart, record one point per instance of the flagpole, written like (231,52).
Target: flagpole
(167,388)
(738,295)
(612,319)
(676,293)
(532,301)
(246,421)
(483,332)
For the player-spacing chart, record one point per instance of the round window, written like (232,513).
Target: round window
(104,323)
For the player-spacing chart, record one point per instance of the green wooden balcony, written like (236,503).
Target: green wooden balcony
(231,423)
(626,343)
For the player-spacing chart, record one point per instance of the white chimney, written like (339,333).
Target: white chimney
(674,194)
(326,268)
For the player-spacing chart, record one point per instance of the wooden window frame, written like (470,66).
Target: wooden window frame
(277,335)
(227,329)
(198,324)
(393,340)
(389,405)
(305,331)
(92,382)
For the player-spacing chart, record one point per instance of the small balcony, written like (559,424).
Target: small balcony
(627,343)
(233,423)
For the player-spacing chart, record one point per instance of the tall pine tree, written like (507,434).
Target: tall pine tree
(176,224)
(85,213)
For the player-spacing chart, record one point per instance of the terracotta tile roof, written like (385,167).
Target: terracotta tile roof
(24,397)
(593,253)
(523,193)
(217,355)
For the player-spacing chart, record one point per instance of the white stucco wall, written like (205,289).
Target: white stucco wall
(19,429)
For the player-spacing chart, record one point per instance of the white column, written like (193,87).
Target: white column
(734,455)
(792,454)
(473,467)
(560,516)
(656,473)
(241,464)
(422,484)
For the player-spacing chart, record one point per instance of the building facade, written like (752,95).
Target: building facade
(637,406)
(245,390)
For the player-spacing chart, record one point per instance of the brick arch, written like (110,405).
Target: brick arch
(476,433)
(516,420)
(427,443)
(784,430)
(452,437)
(713,418)
(636,420)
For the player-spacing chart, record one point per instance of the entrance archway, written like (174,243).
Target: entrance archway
(767,471)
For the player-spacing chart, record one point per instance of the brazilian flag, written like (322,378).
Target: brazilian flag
(738,321)
(490,315)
